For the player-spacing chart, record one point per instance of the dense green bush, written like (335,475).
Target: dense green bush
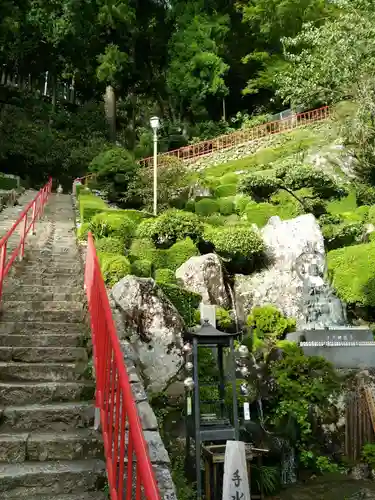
(82,231)
(224,319)
(114,267)
(360,214)
(184,301)
(327,219)
(229,179)
(259,213)
(371,215)
(144,249)
(240,245)
(110,245)
(180,252)
(341,235)
(259,186)
(287,206)
(352,270)
(171,226)
(225,190)
(113,224)
(323,184)
(241,202)
(165,275)
(90,205)
(315,206)
(268,321)
(190,206)
(206,206)
(226,206)
(365,194)
(142,268)
(216,220)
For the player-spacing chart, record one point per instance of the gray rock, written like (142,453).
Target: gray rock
(204,275)
(279,283)
(154,328)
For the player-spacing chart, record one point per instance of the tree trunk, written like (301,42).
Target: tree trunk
(110,111)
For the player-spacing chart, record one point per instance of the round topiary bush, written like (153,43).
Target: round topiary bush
(260,213)
(229,179)
(113,224)
(226,206)
(165,276)
(142,268)
(206,206)
(144,249)
(110,245)
(114,268)
(259,186)
(171,226)
(190,206)
(241,202)
(180,252)
(268,321)
(145,229)
(226,190)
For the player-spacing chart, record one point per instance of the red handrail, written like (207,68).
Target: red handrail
(114,397)
(36,207)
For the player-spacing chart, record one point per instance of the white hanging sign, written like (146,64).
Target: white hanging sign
(236,481)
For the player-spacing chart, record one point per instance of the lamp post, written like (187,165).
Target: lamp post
(155,124)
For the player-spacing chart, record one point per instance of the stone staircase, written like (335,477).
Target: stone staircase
(48,448)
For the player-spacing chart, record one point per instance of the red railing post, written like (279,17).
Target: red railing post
(3,256)
(33,217)
(23,237)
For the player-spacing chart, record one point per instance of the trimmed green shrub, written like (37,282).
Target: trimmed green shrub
(114,268)
(216,220)
(268,321)
(259,213)
(190,206)
(315,206)
(184,301)
(113,224)
(223,319)
(225,190)
(110,245)
(165,276)
(259,186)
(226,206)
(82,231)
(240,203)
(171,226)
(323,184)
(229,179)
(135,215)
(206,206)
(90,205)
(180,252)
(342,235)
(352,270)
(142,268)
(287,206)
(144,249)
(365,194)
(327,219)
(360,214)
(240,245)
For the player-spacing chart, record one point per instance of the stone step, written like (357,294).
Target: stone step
(52,269)
(24,393)
(53,278)
(43,340)
(43,293)
(31,316)
(57,417)
(25,495)
(42,327)
(43,354)
(65,306)
(82,444)
(50,372)
(51,478)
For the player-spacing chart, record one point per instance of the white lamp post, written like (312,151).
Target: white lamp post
(155,124)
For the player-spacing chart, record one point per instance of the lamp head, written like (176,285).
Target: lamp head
(155,123)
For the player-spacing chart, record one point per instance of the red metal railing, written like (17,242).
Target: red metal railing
(245,135)
(114,397)
(26,223)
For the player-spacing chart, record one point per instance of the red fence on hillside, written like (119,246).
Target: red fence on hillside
(125,448)
(25,223)
(244,135)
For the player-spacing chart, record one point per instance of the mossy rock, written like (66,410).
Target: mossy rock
(184,301)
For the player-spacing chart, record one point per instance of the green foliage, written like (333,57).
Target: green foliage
(142,268)
(114,268)
(368,454)
(259,213)
(226,206)
(180,252)
(365,194)
(184,301)
(241,202)
(83,230)
(223,319)
(259,186)
(90,205)
(165,275)
(371,215)
(342,235)
(113,223)
(110,245)
(144,249)
(358,285)
(320,464)
(268,321)
(287,207)
(206,206)
(171,226)
(115,170)
(360,214)
(190,206)
(225,190)
(229,179)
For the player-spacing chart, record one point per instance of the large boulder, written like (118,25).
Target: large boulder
(153,327)
(204,275)
(280,284)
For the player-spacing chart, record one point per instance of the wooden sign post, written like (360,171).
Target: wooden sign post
(236,481)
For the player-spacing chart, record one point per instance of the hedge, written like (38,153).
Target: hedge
(206,206)
(115,224)
(226,206)
(184,301)
(180,252)
(135,215)
(142,268)
(241,202)
(114,267)
(352,270)
(229,179)
(90,205)
(165,275)
(225,190)
(341,235)
(110,245)
(144,249)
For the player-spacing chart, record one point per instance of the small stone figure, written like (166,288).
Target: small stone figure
(59,189)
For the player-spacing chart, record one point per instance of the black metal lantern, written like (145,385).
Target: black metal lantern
(221,422)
